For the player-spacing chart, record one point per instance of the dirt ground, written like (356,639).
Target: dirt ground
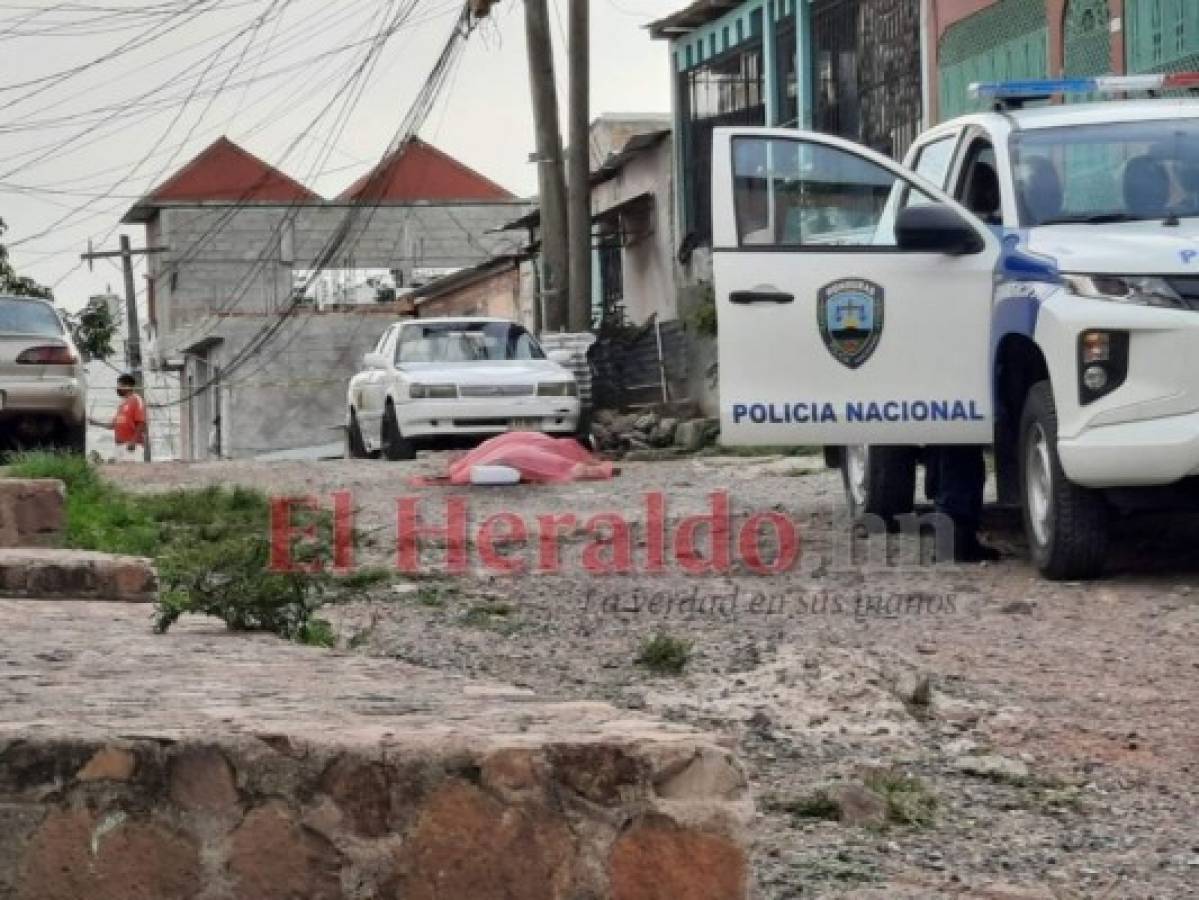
(1051,729)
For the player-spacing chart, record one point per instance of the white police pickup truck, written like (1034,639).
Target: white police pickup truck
(1029,279)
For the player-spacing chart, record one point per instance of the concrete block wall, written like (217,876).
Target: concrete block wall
(290,395)
(229,260)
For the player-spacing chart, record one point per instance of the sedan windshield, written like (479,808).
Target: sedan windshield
(1114,172)
(19,316)
(466,342)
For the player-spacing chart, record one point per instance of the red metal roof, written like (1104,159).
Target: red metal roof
(224,171)
(419,171)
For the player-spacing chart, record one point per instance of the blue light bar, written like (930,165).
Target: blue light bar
(1102,84)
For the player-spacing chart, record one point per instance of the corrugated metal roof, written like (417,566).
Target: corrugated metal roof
(420,172)
(223,171)
(690,17)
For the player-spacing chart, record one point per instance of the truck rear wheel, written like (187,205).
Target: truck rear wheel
(1066,525)
(879,481)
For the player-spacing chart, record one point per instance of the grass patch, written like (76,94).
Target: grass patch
(434,595)
(491,616)
(909,800)
(665,655)
(211,547)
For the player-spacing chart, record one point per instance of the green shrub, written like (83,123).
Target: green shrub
(665,655)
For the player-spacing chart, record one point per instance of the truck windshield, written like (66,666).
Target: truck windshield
(466,342)
(1114,172)
(19,316)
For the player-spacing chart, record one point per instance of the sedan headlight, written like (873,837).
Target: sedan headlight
(1138,290)
(557,389)
(433,391)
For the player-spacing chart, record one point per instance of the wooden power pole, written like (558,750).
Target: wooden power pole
(133,345)
(579,175)
(551,176)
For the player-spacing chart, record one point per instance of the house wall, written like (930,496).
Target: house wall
(224,259)
(649,254)
(1134,36)
(291,395)
(497,294)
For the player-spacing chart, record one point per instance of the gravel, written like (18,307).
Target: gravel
(1056,726)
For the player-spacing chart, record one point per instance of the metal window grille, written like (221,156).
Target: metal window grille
(866,59)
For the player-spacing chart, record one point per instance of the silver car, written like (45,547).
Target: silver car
(43,389)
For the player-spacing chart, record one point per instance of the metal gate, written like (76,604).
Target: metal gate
(866,71)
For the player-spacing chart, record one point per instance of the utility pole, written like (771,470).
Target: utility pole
(551,176)
(133,345)
(579,164)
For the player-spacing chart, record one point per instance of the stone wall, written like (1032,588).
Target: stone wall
(266,818)
(199,765)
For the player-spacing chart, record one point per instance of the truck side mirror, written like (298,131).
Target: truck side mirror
(936,228)
(374,360)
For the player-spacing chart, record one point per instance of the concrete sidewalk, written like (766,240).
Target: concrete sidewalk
(204,764)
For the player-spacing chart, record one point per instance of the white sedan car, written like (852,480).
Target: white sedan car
(430,379)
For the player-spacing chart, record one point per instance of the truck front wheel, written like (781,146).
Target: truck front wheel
(1066,525)
(879,481)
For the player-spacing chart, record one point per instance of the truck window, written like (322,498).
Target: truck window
(932,161)
(931,164)
(978,185)
(792,193)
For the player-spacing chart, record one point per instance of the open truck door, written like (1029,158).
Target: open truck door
(853,299)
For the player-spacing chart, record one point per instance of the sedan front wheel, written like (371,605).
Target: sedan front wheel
(395,446)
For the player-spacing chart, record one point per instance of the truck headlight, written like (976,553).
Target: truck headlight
(433,391)
(557,389)
(1138,290)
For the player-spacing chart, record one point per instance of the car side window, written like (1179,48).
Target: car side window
(797,194)
(978,187)
(932,164)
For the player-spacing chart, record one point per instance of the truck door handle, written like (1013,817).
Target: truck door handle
(763,296)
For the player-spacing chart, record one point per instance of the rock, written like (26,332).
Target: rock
(32,512)
(690,435)
(645,423)
(663,433)
(993,766)
(468,844)
(202,781)
(109,764)
(77,575)
(704,775)
(360,791)
(857,805)
(80,853)
(656,860)
(273,857)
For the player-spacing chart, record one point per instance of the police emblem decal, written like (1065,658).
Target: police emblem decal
(850,315)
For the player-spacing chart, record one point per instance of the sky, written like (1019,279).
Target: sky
(101,101)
